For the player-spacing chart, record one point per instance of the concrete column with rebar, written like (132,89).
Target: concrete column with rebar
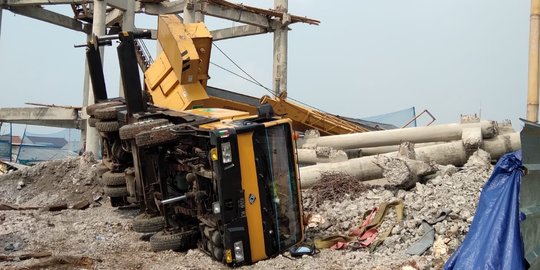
(98,28)
(279,82)
(534,37)
(438,133)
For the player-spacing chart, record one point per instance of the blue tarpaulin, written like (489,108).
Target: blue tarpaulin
(494,239)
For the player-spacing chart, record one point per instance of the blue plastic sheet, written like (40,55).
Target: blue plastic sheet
(494,239)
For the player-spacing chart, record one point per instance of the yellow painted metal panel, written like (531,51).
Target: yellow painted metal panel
(219,113)
(156,72)
(251,187)
(169,83)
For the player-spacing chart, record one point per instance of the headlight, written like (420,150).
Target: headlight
(239,251)
(216,208)
(226,152)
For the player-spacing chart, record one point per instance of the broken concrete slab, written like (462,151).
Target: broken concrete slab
(56,207)
(320,155)
(82,205)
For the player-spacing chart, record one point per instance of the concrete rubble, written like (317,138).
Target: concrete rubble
(438,145)
(86,234)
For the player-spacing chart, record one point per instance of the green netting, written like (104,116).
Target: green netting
(42,147)
(5,142)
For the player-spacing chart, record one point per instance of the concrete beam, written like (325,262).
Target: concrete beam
(237,31)
(43,116)
(48,16)
(434,133)
(77,124)
(236,15)
(14,3)
(162,8)
(114,16)
(118,4)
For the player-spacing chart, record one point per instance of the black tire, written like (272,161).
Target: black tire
(90,109)
(217,252)
(217,239)
(108,113)
(129,132)
(115,191)
(114,178)
(92,121)
(107,126)
(145,224)
(101,169)
(173,241)
(156,136)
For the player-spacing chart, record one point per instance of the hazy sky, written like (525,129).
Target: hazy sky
(365,58)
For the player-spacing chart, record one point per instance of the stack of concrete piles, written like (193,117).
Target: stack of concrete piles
(366,156)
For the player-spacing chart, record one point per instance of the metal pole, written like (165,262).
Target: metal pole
(279,82)
(534,36)
(98,28)
(128,24)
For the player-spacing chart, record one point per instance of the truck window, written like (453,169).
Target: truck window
(276,144)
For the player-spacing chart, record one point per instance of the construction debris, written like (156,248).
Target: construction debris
(473,136)
(101,237)
(25,256)
(61,181)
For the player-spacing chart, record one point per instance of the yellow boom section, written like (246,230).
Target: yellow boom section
(177,79)
(305,118)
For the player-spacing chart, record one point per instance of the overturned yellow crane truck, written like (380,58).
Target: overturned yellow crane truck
(224,180)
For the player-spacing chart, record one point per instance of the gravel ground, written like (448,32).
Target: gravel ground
(100,237)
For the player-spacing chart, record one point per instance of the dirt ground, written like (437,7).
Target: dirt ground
(100,237)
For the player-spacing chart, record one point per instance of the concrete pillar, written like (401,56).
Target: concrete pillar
(128,24)
(370,151)
(1,21)
(279,82)
(189,11)
(86,89)
(534,36)
(454,153)
(438,133)
(199,16)
(98,28)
